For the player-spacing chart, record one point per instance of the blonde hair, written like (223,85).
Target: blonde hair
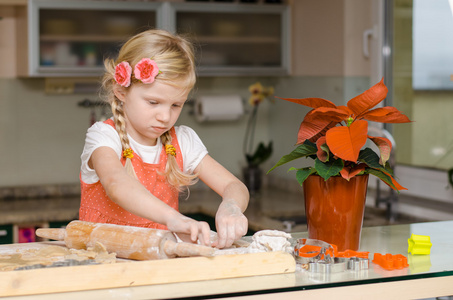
(174,56)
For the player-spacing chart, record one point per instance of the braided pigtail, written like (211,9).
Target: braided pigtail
(116,105)
(173,173)
(120,125)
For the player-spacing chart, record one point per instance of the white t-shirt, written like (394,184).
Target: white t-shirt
(101,134)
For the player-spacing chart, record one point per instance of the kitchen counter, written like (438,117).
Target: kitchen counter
(272,208)
(263,212)
(39,210)
(267,210)
(427,275)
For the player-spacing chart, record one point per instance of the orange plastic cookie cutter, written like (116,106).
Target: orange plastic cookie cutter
(309,251)
(390,262)
(352,253)
(347,253)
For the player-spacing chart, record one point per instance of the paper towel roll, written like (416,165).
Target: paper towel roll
(218,108)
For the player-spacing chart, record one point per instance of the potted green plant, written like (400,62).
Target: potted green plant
(334,137)
(252,172)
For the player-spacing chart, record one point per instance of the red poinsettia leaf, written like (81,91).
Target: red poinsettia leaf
(333,114)
(311,102)
(345,109)
(346,142)
(348,172)
(385,147)
(386,114)
(322,133)
(322,155)
(368,99)
(308,130)
(310,127)
(317,122)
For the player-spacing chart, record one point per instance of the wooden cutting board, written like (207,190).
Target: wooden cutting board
(138,273)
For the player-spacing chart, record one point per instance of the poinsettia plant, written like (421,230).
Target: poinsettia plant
(334,137)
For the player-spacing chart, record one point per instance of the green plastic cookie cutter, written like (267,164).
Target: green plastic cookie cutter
(419,244)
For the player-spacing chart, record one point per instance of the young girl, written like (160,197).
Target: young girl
(134,164)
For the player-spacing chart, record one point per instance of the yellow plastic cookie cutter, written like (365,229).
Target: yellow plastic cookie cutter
(419,244)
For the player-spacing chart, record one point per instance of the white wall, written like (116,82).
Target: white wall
(41,136)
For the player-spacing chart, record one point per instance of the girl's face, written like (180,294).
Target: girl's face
(151,109)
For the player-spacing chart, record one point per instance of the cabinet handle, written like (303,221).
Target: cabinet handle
(369,33)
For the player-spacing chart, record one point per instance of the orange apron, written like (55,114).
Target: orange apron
(97,207)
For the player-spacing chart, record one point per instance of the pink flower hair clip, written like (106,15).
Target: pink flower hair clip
(123,73)
(146,70)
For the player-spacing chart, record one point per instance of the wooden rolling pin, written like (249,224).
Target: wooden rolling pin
(126,241)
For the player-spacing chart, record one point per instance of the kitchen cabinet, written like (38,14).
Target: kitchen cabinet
(237,39)
(61,224)
(21,214)
(19,233)
(25,232)
(6,234)
(72,38)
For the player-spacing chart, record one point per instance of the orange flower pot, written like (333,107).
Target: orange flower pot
(335,208)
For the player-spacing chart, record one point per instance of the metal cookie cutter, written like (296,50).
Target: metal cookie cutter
(339,264)
(358,264)
(319,257)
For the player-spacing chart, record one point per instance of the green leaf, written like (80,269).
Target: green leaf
(371,159)
(304,150)
(261,154)
(382,176)
(303,174)
(388,169)
(329,169)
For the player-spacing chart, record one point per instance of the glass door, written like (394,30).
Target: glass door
(418,67)
(423,81)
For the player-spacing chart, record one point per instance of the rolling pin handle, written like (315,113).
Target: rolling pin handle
(172,249)
(51,233)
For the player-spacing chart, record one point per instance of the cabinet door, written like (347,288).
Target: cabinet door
(6,234)
(72,38)
(237,39)
(61,224)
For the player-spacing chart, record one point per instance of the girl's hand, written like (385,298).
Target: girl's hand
(196,230)
(230,222)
